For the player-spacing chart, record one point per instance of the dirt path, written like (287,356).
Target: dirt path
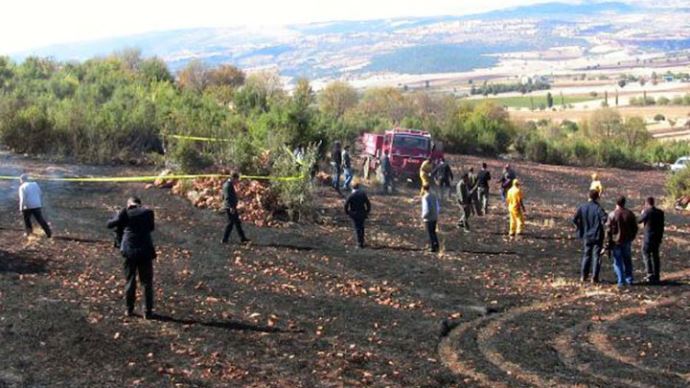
(300,307)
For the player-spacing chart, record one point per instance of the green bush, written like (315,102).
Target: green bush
(295,194)
(189,159)
(678,184)
(537,150)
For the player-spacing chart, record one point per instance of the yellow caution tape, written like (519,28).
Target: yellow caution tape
(199,138)
(151,178)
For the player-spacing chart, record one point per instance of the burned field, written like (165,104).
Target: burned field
(299,306)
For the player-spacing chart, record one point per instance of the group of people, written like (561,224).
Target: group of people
(341,163)
(472,193)
(601,232)
(614,233)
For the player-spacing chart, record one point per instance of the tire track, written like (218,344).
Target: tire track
(485,328)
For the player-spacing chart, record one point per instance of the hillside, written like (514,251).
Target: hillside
(425,45)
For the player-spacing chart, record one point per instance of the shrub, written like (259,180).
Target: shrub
(537,150)
(188,158)
(295,194)
(659,117)
(678,184)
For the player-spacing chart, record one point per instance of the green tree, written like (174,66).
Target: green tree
(336,99)
(549,100)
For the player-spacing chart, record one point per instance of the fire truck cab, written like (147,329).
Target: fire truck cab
(406,148)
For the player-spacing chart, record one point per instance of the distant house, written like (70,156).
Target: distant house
(669,78)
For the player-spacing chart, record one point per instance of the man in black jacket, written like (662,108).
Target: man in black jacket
(357,206)
(137,223)
(482,188)
(653,220)
(230,204)
(590,221)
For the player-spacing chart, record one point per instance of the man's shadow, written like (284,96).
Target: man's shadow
(227,325)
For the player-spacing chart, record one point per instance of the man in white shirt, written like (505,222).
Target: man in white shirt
(30,205)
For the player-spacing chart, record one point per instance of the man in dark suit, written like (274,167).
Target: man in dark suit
(653,220)
(590,221)
(137,223)
(230,204)
(357,206)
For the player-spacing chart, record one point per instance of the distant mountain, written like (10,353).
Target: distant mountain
(353,49)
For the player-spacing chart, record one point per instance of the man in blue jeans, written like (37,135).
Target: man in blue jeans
(590,221)
(621,231)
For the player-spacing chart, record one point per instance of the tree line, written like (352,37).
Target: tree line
(124,107)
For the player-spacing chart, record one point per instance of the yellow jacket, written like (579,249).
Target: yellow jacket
(425,171)
(514,198)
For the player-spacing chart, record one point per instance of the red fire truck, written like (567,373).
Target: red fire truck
(407,148)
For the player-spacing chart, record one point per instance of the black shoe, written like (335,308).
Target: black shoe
(149,315)
(595,281)
(223,241)
(129,313)
(246,240)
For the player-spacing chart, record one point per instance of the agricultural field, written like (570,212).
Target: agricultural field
(300,307)
(537,101)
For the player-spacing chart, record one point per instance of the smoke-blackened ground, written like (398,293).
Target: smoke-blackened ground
(300,306)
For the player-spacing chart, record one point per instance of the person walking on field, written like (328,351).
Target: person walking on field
(430,211)
(336,163)
(387,172)
(444,174)
(482,187)
(358,207)
(621,230)
(137,248)
(507,180)
(230,204)
(425,171)
(590,220)
(596,184)
(516,208)
(30,205)
(464,198)
(653,220)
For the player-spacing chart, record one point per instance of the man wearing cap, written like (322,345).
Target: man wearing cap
(30,205)
(516,208)
(137,223)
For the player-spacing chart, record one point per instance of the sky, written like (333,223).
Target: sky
(28,24)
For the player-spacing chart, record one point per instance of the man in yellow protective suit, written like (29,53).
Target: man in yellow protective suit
(425,171)
(516,209)
(596,184)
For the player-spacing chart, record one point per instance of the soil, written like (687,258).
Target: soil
(299,306)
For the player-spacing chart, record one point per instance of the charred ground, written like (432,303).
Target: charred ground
(300,307)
